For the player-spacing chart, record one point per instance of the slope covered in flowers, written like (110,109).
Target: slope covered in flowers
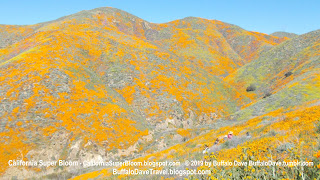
(282,119)
(289,67)
(274,136)
(98,83)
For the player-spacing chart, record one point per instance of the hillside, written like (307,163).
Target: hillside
(283,125)
(285,76)
(284,34)
(106,85)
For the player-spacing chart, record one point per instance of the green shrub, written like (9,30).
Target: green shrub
(252,87)
(287,74)
(267,95)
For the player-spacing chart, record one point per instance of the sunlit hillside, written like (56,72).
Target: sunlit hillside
(106,85)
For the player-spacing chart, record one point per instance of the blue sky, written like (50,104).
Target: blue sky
(298,16)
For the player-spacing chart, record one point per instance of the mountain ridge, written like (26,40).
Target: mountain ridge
(284,34)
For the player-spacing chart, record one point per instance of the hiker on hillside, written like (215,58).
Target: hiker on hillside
(230,135)
(225,137)
(248,135)
(206,149)
(216,142)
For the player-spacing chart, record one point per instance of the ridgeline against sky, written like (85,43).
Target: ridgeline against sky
(262,16)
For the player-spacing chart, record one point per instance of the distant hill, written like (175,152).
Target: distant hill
(283,34)
(289,70)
